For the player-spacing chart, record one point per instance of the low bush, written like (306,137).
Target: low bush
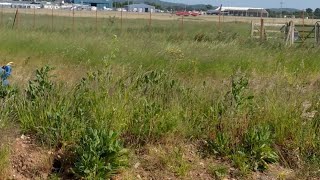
(99,154)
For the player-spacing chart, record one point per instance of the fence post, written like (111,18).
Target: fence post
(97,20)
(252,29)
(72,18)
(1,15)
(182,23)
(219,25)
(15,20)
(34,17)
(52,19)
(121,18)
(292,32)
(302,26)
(317,33)
(262,30)
(150,21)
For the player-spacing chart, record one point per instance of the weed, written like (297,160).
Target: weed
(257,145)
(112,20)
(239,85)
(8,91)
(220,145)
(240,160)
(99,154)
(4,161)
(140,97)
(202,37)
(177,162)
(175,53)
(42,85)
(218,171)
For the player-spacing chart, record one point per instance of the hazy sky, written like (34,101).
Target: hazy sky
(299,4)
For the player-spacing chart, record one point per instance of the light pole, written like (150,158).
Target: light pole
(281,6)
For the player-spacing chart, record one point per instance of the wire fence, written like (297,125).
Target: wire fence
(62,19)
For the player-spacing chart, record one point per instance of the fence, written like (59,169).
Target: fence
(32,18)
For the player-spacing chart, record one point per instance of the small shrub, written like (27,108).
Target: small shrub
(202,37)
(175,53)
(219,171)
(257,146)
(239,85)
(99,154)
(41,85)
(240,160)
(178,164)
(7,91)
(220,145)
(112,20)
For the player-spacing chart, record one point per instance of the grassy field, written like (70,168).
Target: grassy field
(102,95)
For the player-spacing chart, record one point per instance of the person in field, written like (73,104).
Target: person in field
(5,72)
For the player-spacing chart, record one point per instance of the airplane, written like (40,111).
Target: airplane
(195,13)
(186,13)
(182,13)
(216,11)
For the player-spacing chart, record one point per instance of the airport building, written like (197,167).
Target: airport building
(140,8)
(240,11)
(100,4)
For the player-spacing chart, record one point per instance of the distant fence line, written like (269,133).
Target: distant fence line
(149,17)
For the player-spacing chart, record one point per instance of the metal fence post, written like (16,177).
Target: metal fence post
(34,17)
(52,19)
(1,15)
(150,21)
(15,20)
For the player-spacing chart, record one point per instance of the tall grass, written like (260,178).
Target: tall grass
(251,102)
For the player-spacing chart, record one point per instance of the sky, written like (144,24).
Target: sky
(299,4)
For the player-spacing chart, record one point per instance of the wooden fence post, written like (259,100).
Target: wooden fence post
(292,32)
(262,30)
(317,33)
(252,29)
(182,23)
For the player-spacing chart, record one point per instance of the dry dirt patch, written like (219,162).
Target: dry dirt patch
(28,161)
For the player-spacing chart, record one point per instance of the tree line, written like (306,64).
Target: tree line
(308,13)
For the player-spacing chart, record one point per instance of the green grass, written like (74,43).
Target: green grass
(4,161)
(242,96)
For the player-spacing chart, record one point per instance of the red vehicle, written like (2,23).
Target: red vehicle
(195,14)
(182,13)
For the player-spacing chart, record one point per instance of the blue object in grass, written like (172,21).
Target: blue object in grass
(5,72)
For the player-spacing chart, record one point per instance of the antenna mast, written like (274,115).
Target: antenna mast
(281,6)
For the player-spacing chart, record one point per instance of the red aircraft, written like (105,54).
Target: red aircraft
(195,14)
(182,13)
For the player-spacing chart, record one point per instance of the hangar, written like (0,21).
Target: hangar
(240,11)
(140,8)
(100,4)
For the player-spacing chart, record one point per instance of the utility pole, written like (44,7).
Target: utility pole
(281,6)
